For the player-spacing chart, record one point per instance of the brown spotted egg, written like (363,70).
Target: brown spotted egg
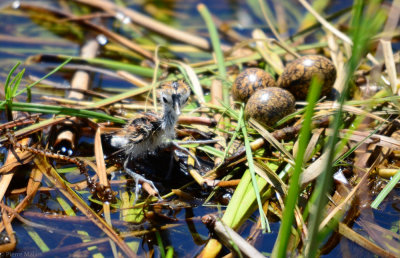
(298,74)
(249,81)
(269,105)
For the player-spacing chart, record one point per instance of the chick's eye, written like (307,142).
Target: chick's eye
(165,100)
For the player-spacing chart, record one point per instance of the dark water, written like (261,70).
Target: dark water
(22,36)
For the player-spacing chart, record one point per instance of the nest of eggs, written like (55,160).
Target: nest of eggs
(268,101)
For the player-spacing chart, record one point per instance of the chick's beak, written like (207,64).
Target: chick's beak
(177,108)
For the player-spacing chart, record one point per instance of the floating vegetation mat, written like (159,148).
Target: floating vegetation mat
(137,129)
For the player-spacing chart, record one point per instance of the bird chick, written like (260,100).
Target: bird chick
(149,131)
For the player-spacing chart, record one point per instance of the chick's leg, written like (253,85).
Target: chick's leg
(139,179)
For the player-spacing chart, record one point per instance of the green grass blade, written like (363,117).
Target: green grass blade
(250,161)
(363,27)
(119,97)
(294,187)
(211,150)
(10,74)
(58,110)
(160,244)
(8,90)
(219,55)
(386,190)
(244,198)
(170,252)
(18,79)
(44,77)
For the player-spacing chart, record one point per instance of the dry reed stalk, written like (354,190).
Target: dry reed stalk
(80,79)
(132,79)
(390,65)
(199,120)
(29,130)
(216,99)
(101,171)
(14,159)
(229,183)
(100,162)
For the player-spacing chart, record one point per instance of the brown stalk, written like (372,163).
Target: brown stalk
(188,120)
(216,99)
(35,179)
(8,247)
(100,163)
(26,201)
(151,24)
(101,171)
(80,79)
(229,237)
(229,183)
(135,80)
(24,120)
(193,172)
(390,65)
(14,159)
(60,184)
(33,129)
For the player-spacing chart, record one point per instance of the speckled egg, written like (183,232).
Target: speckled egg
(298,74)
(249,81)
(270,105)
